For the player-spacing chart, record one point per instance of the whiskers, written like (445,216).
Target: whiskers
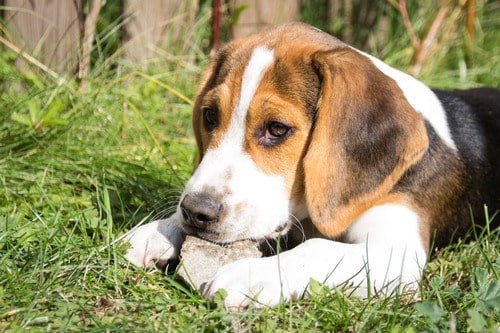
(166,206)
(297,229)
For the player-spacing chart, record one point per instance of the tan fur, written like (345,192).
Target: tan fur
(284,159)
(213,93)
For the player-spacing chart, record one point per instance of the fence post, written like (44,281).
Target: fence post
(157,23)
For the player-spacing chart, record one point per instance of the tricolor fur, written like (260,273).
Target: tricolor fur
(300,134)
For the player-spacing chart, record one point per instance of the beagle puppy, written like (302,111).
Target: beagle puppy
(301,134)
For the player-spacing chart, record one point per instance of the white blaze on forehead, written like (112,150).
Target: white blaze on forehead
(230,148)
(420,97)
(259,61)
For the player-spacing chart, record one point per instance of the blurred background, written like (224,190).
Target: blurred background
(75,35)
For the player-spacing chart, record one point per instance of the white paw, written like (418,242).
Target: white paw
(155,243)
(256,281)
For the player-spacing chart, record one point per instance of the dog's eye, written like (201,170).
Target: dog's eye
(274,133)
(210,119)
(277,130)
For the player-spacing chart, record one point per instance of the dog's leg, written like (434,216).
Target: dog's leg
(384,254)
(286,277)
(155,243)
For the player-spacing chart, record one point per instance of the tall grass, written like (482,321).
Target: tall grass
(77,169)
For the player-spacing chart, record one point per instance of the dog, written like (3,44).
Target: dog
(301,134)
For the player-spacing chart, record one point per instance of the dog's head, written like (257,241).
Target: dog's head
(292,123)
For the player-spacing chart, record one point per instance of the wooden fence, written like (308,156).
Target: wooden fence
(59,33)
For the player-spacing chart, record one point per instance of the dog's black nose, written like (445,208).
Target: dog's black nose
(200,209)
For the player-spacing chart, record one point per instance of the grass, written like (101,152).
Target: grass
(78,169)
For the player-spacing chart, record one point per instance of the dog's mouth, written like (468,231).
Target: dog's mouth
(280,230)
(203,233)
(226,238)
(209,234)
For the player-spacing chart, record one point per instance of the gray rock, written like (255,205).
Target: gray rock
(200,259)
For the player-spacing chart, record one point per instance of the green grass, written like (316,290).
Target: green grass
(78,169)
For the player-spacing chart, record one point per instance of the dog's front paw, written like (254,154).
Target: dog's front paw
(256,281)
(154,244)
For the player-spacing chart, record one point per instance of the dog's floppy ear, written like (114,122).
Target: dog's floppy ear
(365,136)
